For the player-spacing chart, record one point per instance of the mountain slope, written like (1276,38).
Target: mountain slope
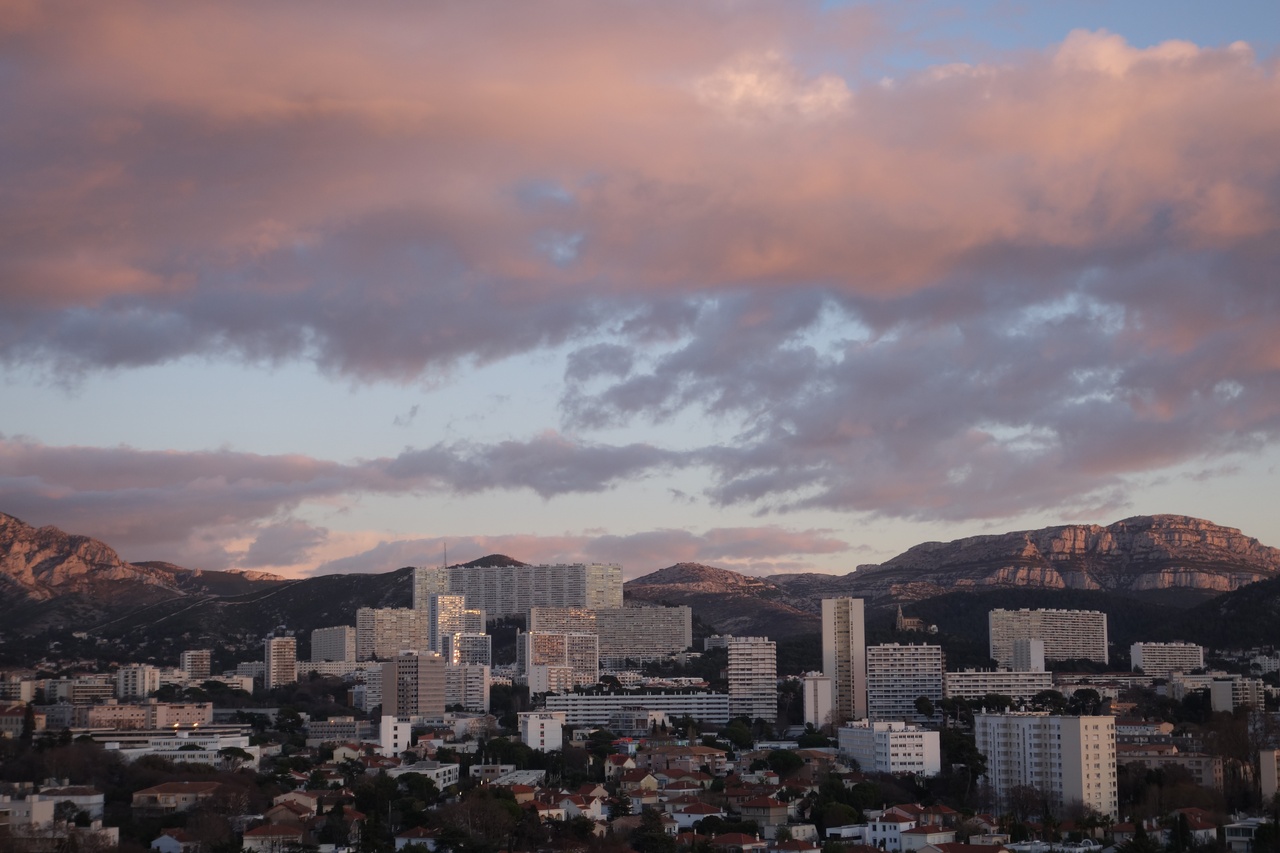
(1137,556)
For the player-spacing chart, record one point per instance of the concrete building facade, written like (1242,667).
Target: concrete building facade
(897,675)
(753,678)
(196,663)
(413,685)
(887,746)
(336,644)
(280,661)
(503,591)
(383,632)
(817,699)
(1067,634)
(844,657)
(1159,660)
(1069,759)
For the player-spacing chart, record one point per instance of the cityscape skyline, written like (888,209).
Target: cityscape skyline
(776,287)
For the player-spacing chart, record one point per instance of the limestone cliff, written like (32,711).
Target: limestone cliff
(1142,553)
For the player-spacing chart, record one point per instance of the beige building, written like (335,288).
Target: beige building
(844,657)
(976,683)
(383,632)
(1069,759)
(413,685)
(333,644)
(137,681)
(280,656)
(579,652)
(503,591)
(196,663)
(1067,634)
(1160,659)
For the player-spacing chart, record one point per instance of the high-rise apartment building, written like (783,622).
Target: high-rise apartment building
(753,678)
(898,675)
(1160,659)
(1067,634)
(467,685)
(413,684)
(626,633)
(579,652)
(644,633)
(137,681)
(817,699)
(470,649)
(383,632)
(196,663)
(503,591)
(1068,759)
(444,619)
(280,659)
(337,643)
(844,657)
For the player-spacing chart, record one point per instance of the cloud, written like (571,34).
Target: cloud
(974,293)
(754,550)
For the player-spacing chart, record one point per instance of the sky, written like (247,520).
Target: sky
(774,286)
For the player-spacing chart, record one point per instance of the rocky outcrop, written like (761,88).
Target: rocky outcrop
(1136,556)
(45,562)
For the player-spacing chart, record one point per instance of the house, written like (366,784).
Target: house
(89,800)
(767,812)
(422,837)
(633,780)
(923,836)
(693,814)
(172,797)
(175,841)
(272,838)
(615,765)
(309,801)
(739,842)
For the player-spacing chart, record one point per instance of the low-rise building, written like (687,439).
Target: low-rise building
(885,746)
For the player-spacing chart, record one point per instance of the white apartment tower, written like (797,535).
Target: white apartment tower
(413,685)
(1160,659)
(196,663)
(753,678)
(844,657)
(898,675)
(1067,634)
(280,656)
(1070,759)
(383,632)
(337,643)
(511,590)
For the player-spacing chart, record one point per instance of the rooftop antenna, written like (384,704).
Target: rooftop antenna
(445,545)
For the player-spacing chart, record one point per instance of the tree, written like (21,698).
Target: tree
(924,706)
(784,762)
(1141,842)
(650,837)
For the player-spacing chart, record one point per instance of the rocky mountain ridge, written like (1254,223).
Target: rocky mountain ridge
(1134,555)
